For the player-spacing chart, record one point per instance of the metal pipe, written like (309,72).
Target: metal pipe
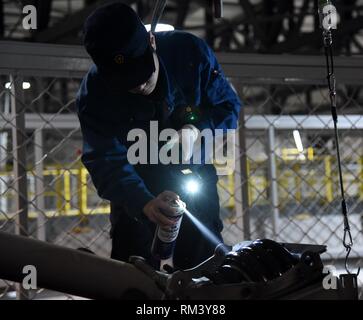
(39,184)
(218,8)
(158,12)
(19,154)
(18,109)
(72,271)
(274,198)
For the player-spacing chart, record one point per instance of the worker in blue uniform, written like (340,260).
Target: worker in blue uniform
(171,78)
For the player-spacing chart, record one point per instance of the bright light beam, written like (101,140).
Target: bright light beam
(205,231)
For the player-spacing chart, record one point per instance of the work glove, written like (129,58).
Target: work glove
(187,136)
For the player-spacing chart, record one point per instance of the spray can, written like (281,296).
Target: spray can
(165,237)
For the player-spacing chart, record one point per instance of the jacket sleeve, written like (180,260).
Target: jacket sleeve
(105,158)
(216,92)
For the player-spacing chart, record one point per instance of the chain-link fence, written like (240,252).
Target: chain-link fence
(286,170)
(290,192)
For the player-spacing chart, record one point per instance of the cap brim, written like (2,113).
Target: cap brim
(129,76)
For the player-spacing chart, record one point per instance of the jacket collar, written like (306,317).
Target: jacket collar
(169,82)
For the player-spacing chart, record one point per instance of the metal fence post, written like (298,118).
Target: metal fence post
(244,177)
(4,136)
(273,180)
(39,184)
(19,163)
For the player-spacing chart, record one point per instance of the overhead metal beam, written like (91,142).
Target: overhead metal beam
(310,122)
(289,69)
(73,61)
(48,60)
(46,121)
(316,122)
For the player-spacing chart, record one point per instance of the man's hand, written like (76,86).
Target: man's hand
(187,136)
(154,209)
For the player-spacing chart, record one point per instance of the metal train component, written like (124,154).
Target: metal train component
(262,269)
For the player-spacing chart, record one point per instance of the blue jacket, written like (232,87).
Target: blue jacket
(193,77)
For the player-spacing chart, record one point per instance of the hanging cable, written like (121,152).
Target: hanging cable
(324,13)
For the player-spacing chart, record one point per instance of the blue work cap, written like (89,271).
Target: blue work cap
(119,45)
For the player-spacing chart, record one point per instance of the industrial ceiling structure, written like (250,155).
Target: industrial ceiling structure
(252,26)
(248,26)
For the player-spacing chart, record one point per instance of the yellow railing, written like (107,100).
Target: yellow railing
(304,180)
(69,199)
(71,192)
(293,183)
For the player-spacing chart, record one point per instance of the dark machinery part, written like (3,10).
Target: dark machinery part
(261,261)
(262,269)
(74,272)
